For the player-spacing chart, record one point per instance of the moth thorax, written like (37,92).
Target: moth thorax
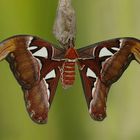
(68,74)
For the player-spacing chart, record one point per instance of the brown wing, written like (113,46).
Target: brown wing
(101,65)
(95,91)
(35,64)
(37,102)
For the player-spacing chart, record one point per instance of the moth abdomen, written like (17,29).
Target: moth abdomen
(68,74)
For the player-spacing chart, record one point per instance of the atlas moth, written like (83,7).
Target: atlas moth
(38,65)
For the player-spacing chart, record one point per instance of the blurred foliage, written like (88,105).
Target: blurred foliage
(68,118)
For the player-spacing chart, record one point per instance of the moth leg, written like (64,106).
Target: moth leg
(37,103)
(97,108)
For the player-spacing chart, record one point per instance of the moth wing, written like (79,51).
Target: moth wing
(101,65)
(95,91)
(22,53)
(100,49)
(35,64)
(39,98)
(50,64)
(37,102)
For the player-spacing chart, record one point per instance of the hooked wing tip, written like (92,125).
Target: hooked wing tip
(38,117)
(98,116)
(40,120)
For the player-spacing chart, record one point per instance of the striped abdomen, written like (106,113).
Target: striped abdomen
(68,74)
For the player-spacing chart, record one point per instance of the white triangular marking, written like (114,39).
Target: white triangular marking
(51,74)
(42,52)
(115,48)
(90,73)
(32,48)
(104,52)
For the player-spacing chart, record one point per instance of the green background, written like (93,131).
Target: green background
(97,20)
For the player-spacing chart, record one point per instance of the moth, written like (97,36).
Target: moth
(38,65)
